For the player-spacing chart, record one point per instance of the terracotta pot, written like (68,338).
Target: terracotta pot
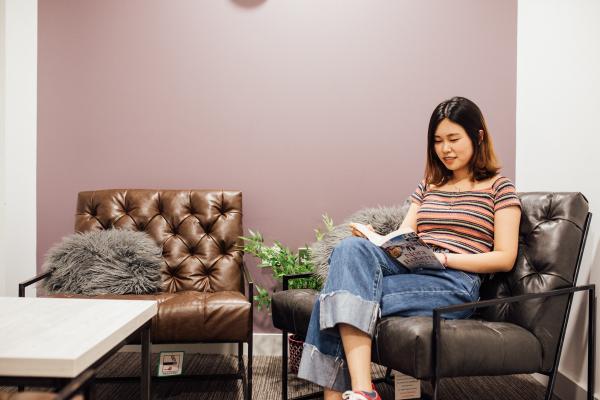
(295,344)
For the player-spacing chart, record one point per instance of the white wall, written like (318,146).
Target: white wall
(558,132)
(18,114)
(2,156)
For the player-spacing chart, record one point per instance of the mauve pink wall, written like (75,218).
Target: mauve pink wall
(306,106)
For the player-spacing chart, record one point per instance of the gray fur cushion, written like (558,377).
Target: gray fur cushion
(104,262)
(383,219)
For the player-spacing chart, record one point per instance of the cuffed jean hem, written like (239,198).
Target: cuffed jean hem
(324,370)
(343,307)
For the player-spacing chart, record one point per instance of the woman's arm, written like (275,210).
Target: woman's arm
(506,240)
(410,221)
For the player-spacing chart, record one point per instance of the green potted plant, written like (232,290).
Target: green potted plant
(283,261)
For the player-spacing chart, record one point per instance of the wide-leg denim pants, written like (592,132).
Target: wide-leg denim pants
(364,283)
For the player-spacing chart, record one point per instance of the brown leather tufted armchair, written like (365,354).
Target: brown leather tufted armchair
(521,319)
(203,274)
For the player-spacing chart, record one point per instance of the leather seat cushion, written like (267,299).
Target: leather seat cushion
(191,316)
(469,347)
(291,309)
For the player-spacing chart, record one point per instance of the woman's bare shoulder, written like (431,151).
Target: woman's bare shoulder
(490,182)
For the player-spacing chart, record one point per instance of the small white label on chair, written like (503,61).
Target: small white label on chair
(406,387)
(170,363)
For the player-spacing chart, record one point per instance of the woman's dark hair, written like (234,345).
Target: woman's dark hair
(465,113)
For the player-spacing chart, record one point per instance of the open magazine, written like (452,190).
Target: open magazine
(403,245)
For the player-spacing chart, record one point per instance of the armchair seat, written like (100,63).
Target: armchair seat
(492,348)
(291,309)
(469,347)
(190,316)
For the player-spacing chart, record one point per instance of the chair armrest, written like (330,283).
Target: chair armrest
(77,385)
(437,312)
(287,278)
(249,281)
(31,281)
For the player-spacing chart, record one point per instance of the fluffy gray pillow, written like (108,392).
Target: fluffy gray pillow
(110,261)
(383,219)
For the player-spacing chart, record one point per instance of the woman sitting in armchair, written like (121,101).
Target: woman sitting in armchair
(463,209)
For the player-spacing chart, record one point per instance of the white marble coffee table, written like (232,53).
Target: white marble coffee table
(61,338)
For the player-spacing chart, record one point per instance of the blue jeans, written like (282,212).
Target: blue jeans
(364,284)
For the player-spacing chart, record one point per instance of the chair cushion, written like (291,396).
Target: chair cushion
(191,316)
(291,309)
(469,347)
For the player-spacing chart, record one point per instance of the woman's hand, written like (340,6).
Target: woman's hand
(351,224)
(442,258)
(356,232)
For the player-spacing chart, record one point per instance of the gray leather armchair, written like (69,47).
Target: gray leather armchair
(520,321)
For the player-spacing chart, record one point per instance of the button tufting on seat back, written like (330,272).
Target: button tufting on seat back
(550,232)
(198,230)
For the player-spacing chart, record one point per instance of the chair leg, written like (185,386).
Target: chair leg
(284,365)
(389,379)
(591,342)
(245,373)
(249,389)
(89,393)
(435,383)
(146,378)
(550,386)
(241,371)
(591,352)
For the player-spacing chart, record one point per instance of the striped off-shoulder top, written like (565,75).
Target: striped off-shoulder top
(462,222)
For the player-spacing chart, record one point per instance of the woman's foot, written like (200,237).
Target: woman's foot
(360,395)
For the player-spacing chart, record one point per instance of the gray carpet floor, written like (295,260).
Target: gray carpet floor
(267,382)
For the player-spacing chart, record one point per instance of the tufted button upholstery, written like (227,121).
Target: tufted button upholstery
(507,339)
(549,237)
(198,230)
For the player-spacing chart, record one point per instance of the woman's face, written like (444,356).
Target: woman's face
(453,146)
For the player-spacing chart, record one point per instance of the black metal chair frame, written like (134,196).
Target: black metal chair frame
(81,384)
(437,331)
(244,375)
